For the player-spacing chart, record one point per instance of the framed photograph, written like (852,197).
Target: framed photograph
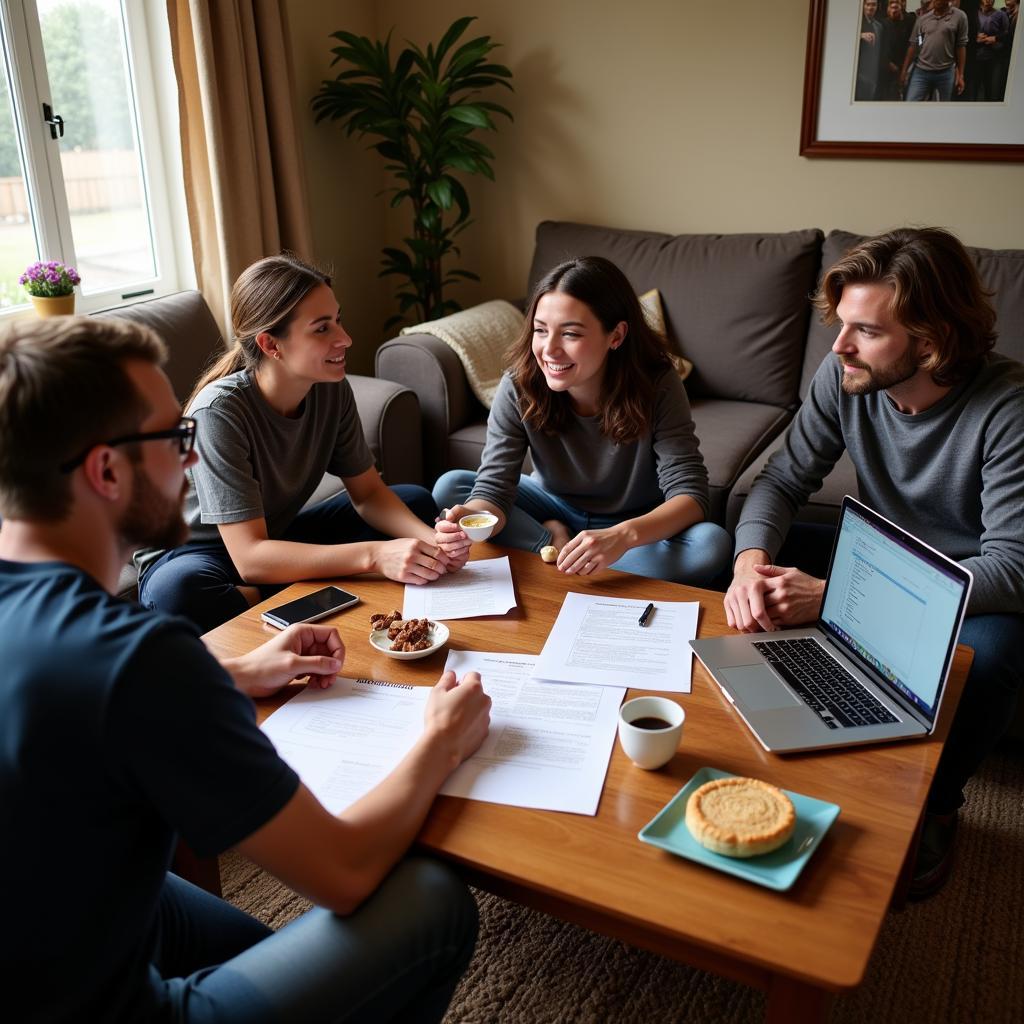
(861,99)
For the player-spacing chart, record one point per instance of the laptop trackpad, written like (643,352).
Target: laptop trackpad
(757,687)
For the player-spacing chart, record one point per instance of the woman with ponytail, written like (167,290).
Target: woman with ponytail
(275,413)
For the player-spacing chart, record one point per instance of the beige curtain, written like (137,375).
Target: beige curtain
(244,180)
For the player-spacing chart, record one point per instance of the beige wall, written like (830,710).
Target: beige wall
(348,222)
(671,116)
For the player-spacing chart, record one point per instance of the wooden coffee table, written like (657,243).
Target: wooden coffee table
(800,947)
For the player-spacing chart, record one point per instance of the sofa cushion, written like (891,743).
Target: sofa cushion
(749,289)
(1001,272)
(730,435)
(186,325)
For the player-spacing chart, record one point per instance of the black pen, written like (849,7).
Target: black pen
(646,614)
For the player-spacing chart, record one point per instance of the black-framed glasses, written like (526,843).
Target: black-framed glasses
(185,432)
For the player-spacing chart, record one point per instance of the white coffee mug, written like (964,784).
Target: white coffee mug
(649,746)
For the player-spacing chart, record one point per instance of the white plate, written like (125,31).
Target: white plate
(438,633)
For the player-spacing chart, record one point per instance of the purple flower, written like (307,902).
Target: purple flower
(49,279)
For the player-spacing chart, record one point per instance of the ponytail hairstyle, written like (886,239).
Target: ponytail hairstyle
(263,300)
(631,372)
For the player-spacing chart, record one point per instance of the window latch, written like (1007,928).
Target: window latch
(55,121)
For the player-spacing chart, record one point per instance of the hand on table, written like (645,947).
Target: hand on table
(410,560)
(458,715)
(303,649)
(769,597)
(591,550)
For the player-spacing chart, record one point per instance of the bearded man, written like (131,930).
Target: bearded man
(932,419)
(119,731)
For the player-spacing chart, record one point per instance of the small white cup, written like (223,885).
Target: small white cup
(485,524)
(650,748)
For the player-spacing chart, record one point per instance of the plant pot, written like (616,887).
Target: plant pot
(59,305)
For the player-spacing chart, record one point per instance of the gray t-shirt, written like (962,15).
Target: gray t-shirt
(255,463)
(938,39)
(952,475)
(586,469)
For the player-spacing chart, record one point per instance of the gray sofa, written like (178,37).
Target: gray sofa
(737,306)
(389,412)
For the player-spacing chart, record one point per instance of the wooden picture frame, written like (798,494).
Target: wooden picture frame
(829,113)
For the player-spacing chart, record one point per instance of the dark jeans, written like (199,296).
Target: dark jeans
(988,80)
(990,694)
(399,956)
(200,582)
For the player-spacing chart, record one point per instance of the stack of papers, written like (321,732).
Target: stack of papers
(553,717)
(548,745)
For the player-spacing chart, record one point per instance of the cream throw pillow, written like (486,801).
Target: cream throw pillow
(650,303)
(481,335)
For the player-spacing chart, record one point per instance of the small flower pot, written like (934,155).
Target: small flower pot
(59,305)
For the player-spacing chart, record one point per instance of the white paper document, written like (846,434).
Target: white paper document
(343,740)
(478,588)
(548,746)
(599,640)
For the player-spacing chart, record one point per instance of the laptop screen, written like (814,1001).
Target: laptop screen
(895,604)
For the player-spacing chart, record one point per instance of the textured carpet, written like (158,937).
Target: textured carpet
(956,957)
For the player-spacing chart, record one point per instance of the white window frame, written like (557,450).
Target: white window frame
(155,99)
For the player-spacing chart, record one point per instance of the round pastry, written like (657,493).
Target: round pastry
(549,554)
(740,817)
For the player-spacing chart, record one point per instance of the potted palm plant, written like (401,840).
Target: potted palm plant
(424,109)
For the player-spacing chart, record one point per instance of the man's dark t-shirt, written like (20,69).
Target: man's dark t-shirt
(118,731)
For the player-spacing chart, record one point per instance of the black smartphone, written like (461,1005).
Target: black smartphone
(317,605)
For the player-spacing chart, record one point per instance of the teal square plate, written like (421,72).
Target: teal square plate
(776,870)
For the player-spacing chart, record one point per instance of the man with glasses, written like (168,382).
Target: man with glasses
(120,731)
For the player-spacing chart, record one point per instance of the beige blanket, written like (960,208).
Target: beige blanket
(480,337)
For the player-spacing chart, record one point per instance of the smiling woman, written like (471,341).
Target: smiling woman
(618,478)
(273,415)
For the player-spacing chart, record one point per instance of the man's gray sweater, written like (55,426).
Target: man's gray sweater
(952,475)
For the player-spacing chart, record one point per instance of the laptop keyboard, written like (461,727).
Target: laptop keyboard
(832,693)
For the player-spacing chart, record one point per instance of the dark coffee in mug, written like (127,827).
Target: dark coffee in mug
(650,722)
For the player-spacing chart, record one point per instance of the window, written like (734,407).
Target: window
(83,171)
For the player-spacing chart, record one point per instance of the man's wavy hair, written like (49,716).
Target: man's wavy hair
(937,295)
(631,371)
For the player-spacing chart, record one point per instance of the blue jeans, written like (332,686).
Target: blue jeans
(200,582)
(398,956)
(990,694)
(922,83)
(695,556)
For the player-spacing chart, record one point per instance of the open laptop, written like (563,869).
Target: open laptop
(873,667)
